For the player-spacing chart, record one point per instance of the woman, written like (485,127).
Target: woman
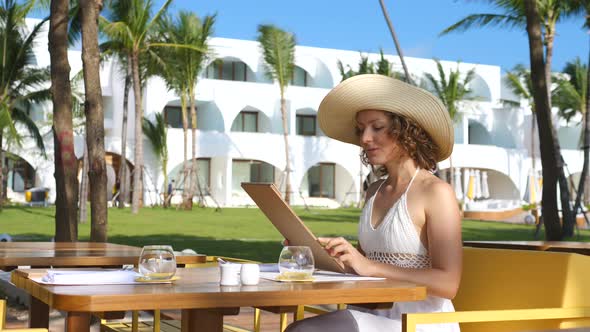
(409,229)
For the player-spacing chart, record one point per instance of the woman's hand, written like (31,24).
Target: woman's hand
(346,253)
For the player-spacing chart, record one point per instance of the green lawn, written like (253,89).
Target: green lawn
(238,232)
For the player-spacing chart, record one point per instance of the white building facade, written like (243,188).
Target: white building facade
(240,133)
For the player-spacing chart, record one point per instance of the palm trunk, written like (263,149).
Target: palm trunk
(185,165)
(2,189)
(396,42)
(287,159)
(549,149)
(83,197)
(66,182)
(123,188)
(193,186)
(533,119)
(585,147)
(138,167)
(94,120)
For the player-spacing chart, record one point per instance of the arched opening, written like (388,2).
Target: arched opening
(208,116)
(177,177)
(329,184)
(483,189)
(478,134)
(244,170)
(229,69)
(251,120)
(19,176)
(320,181)
(300,77)
(480,90)
(113,163)
(306,122)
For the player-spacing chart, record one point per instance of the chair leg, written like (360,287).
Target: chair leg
(2,314)
(284,321)
(257,320)
(299,313)
(157,320)
(135,321)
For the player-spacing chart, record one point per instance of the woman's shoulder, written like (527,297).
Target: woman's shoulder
(432,187)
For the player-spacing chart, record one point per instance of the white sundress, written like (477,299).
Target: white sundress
(395,241)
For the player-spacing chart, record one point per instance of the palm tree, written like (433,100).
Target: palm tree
(133,34)
(570,97)
(451,90)
(550,150)
(133,29)
(278,51)
(519,81)
(156,132)
(20,83)
(189,30)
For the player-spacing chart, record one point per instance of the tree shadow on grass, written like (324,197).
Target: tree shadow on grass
(263,251)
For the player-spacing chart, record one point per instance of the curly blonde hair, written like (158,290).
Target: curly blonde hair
(413,140)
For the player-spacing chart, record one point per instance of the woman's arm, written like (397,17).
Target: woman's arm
(443,227)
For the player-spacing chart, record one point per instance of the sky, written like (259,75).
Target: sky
(359,26)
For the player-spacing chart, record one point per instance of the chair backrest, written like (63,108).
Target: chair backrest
(496,279)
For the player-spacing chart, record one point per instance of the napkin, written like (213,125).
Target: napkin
(96,277)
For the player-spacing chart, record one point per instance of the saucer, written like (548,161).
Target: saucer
(156,281)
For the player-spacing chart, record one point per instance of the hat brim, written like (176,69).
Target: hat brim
(338,109)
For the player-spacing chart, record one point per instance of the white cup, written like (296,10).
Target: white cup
(250,274)
(230,274)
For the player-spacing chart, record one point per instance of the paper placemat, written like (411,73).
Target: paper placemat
(320,276)
(91,277)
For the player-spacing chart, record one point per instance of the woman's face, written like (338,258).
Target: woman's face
(373,130)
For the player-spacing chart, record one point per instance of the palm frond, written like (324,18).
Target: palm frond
(21,116)
(278,51)
(485,20)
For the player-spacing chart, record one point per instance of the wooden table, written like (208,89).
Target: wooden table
(70,254)
(564,246)
(198,293)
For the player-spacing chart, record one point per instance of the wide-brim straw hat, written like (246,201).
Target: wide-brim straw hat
(338,109)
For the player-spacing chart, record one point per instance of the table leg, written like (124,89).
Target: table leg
(78,322)
(194,320)
(38,313)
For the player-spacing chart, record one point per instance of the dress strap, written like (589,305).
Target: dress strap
(412,180)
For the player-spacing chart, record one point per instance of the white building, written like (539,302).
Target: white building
(240,135)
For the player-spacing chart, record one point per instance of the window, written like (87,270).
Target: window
(246,122)
(203,172)
(227,70)
(299,77)
(306,125)
(320,180)
(250,171)
(173,116)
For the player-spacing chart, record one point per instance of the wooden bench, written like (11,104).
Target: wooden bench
(517,290)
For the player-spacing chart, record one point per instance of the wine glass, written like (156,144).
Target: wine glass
(296,263)
(157,262)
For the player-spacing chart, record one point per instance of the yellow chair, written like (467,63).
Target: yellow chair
(3,321)
(517,290)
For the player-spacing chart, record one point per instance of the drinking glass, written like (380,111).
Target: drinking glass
(157,262)
(296,263)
